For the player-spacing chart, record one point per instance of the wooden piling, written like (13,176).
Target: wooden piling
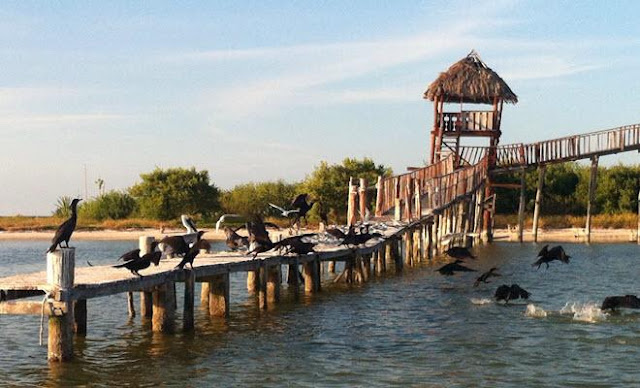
(60,276)
(538,203)
(163,309)
(362,199)
(351,203)
(592,193)
(219,295)
(332,267)
(638,231)
(408,247)
(188,304)
(521,205)
(381,260)
(261,278)
(130,305)
(146,297)
(252,281)
(204,294)
(430,240)
(379,196)
(273,284)
(310,278)
(80,317)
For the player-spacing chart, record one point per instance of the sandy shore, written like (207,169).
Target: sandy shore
(569,235)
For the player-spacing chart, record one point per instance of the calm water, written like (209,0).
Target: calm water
(415,329)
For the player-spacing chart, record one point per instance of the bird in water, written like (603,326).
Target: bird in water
(300,203)
(547,255)
(193,252)
(511,292)
(485,276)
(135,265)
(615,302)
(461,253)
(234,241)
(451,268)
(65,230)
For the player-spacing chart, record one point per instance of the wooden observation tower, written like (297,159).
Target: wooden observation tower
(468,81)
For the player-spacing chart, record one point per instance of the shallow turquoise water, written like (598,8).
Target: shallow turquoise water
(415,329)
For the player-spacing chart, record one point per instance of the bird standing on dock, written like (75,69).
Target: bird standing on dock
(134,265)
(131,255)
(485,276)
(511,292)
(65,230)
(259,240)
(547,255)
(295,244)
(234,241)
(192,253)
(452,268)
(189,224)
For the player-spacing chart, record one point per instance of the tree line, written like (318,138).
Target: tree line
(165,194)
(566,190)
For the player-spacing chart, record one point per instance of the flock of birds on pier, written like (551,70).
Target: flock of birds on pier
(189,245)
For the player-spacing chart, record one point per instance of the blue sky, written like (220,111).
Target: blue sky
(254,91)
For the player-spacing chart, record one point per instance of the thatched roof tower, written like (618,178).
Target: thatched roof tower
(470,80)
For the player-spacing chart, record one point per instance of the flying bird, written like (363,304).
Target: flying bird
(485,276)
(65,230)
(511,292)
(451,268)
(189,224)
(233,240)
(615,302)
(461,253)
(547,255)
(259,240)
(283,212)
(300,203)
(143,262)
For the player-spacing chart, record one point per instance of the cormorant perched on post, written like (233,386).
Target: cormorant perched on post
(65,230)
(451,268)
(547,255)
(192,253)
(508,293)
(135,265)
(300,203)
(483,278)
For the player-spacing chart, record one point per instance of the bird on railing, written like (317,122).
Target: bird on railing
(295,244)
(193,252)
(135,265)
(131,255)
(65,230)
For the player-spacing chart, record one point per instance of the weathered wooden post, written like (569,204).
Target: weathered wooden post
(362,199)
(204,294)
(408,247)
(388,252)
(60,277)
(351,203)
(252,277)
(261,277)
(381,259)
(332,267)
(430,224)
(311,276)
(163,308)
(523,174)
(379,197)
(536,210)
(273,283)
(80,317)
(397,210)
(592,193)
(638,232)
(146,297)
(219,295)
(189,296)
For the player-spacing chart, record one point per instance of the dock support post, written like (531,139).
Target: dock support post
(408,247)
(293,277)
(430,240)
(592,193)
(379,196)
(351,203)
(523,174)
(362,199)
(381,260)
(189,296)
(163,308)
(638,232)
(261,280)
(273,284)
(536,210)
(310,275)
(146,297)
(219,295)
(60,275)
(204,294)
(332,267)
(80,317)
(252,281)
(131,308)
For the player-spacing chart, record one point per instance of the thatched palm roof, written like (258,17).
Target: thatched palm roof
(470,80)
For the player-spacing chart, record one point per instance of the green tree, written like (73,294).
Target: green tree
(254,198)
(63,207)
(165,194)
(113,205)
(328,183)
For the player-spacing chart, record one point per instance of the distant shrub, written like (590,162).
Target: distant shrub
(114,205)
(63,207)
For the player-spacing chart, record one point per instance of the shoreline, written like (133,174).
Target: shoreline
(510,235)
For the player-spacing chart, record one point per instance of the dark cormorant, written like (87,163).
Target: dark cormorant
(135,265)
(547,255)
(461,253)
(508,293)
(234,241)
(451,268)
(259,240)
(295,244)
(131,255)
(483,278)
(65,230)
(614,302)
(300,203)
(193,252)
